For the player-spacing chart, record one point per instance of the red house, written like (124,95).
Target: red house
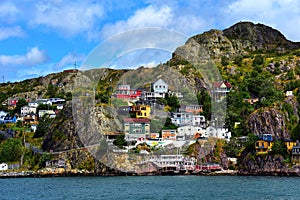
(125,92)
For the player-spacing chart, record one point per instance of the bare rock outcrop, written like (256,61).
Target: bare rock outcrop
(268,121)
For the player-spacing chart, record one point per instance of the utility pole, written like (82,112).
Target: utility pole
(75,64)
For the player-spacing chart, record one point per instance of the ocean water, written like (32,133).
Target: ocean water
(151,187)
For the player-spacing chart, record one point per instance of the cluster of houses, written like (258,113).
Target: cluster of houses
(29,114)
(191,124)
(263,146)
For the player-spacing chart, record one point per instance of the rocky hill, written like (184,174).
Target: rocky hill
(257,60)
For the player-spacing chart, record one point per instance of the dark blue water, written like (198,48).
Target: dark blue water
(151,187)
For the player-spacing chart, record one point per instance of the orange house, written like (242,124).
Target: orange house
(168,134)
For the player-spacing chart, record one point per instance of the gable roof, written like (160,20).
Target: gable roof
(218,84)
(160,81)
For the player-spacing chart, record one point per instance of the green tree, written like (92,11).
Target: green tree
(43,158)
(238,60)
(169,125)
(204,99)
(45,107)
(173,102)
(279,148)
(258,60)
(224,61)
(11,150)
(120,141)
(231,149)
(43,126)
(21,102)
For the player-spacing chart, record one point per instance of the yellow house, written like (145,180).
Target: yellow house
(141,111)
(289,145)
(263,147)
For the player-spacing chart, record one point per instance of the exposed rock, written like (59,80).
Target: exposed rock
(247,35)
(268,121)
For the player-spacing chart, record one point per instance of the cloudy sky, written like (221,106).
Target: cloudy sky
(41,37)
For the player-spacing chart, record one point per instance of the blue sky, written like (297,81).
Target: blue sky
(41,37)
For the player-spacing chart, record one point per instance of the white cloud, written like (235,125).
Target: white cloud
(68,18)
(7,10)
(7,32)
(145,17)
(69,60)
(33,57)
(159,15)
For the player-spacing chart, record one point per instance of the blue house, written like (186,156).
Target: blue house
(10,119)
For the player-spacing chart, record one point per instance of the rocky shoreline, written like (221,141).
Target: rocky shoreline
(85,173)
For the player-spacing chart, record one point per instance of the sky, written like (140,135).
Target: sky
(47,36)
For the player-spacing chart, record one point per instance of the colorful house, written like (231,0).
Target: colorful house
(168,134)
(135,128)
(289,145)
(220,89)
(141,111)
(10,119)
(191,108)
(125,92)
(154,136)
(263,147)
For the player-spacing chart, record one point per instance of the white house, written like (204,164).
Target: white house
(51,113)
(218,132)
(160,86)
(33,104)
(189,132)
(60,106)
(186,118)
(3,166)
(289,93)
(33,127)
(44,101)
(57,100)
(151,95)
(25,110)
(2,116)
(2,113)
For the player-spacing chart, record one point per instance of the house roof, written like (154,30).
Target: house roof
(160,81)
(136,120)
(218,84)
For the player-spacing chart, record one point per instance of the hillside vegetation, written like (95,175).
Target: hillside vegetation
(257,60)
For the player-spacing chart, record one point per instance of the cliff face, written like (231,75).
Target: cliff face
(236,40)
(263,165)
(247,35)
(268,121)
(273,121)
